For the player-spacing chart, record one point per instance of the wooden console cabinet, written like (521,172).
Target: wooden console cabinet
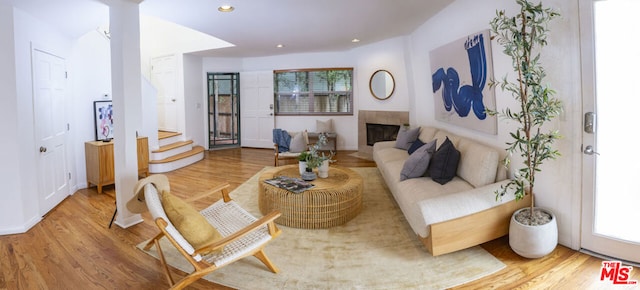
(99,161)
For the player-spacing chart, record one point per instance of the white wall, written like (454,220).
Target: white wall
(11,213)
(20,200)
(388,55)
(90,78)
(195,100)
(149,114)
(558,185)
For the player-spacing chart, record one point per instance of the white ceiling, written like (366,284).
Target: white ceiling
(255,27)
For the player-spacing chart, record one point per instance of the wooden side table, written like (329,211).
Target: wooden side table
(333,201)
(99,161)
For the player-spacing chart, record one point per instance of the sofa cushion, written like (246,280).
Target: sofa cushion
(444,163)
(427,133)
(406,138)
(460,203)
(478,163)
(384,155)
(412,191)
(418,161)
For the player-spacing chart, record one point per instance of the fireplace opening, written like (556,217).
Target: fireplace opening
(381,132)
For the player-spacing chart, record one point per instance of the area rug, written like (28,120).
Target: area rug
(375,250)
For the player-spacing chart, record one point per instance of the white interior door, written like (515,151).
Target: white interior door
(49,82)
(164,78)
(611,163)
(256,113)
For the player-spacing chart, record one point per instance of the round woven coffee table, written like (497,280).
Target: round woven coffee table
(333,201)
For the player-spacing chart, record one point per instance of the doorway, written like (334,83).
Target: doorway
(224,109)
(163,78)
(610,102)
(49,85)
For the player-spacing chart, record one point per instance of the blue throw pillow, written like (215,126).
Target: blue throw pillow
(414,146)
(444,163)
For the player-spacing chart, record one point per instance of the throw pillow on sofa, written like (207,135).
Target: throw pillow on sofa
(444,163)
(418,161)
(406,138)
(415,145)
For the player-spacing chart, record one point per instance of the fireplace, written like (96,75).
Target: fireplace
(381,132)
(396,118)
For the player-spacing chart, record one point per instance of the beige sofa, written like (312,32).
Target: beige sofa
(463,212)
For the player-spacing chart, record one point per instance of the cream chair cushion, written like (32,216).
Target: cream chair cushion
(189,222)
(299,142)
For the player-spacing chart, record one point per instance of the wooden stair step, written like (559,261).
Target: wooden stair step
(167,134)
(172,146)
(194,151)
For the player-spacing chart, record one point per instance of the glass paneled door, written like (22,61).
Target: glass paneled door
(611,163)
(224,109)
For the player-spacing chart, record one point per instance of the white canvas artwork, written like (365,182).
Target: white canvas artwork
(460,71)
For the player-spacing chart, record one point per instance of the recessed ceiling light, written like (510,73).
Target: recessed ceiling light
(225,8)
(280,45)
(355,40)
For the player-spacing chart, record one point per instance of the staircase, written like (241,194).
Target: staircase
(174,153)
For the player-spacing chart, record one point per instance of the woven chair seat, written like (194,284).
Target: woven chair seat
(228,218)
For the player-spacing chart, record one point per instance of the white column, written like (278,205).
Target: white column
(126,81)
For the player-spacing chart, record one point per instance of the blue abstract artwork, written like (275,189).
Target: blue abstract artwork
(460,71)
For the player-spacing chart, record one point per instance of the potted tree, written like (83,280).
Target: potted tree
(533,231)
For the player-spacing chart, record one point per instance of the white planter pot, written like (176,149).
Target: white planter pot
(533,241)
(302,166)
(323,170)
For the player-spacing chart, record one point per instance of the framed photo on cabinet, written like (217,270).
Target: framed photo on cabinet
(103,118)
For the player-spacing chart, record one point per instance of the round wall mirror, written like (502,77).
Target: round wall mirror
(382,84)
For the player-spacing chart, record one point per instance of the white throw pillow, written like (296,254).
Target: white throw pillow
(324,126)
(298,143)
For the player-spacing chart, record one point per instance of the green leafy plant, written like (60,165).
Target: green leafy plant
(522,36)
(315,158)
(303,156)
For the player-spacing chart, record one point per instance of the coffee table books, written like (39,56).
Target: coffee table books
(295,185)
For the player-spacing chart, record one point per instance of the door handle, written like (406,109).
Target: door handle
(589,150)
(43,149)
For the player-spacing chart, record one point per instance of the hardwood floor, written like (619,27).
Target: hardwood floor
(73,248)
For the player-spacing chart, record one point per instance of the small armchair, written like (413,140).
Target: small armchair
(299,142)
(242,235)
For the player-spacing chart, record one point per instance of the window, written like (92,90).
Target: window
(314,91)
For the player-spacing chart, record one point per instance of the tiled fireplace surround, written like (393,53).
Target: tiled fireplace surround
(377,117)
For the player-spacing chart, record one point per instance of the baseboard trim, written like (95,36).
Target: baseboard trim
(23,228)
